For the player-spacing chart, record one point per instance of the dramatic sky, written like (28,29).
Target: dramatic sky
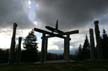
(72,14)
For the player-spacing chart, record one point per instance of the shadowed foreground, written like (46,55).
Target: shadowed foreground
(74,66)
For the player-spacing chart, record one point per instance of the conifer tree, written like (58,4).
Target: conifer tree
(30,45)
(79,52)
(86,49)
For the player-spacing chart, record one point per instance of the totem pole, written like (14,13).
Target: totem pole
(66,47)
(92,44)
(18,58)
(12,47)
(98,40)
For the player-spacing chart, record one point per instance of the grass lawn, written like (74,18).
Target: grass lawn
(73,66)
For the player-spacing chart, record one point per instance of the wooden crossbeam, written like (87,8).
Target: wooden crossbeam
(50,33)
(66,33)
(72,32)
(61,32)
(61,35)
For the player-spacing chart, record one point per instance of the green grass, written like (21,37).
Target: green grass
(76,66)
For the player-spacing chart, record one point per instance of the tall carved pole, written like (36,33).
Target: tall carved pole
(66,47)
(98,40)
(46,47)
(12,47)
(43,49)
(92,44)
(18,58)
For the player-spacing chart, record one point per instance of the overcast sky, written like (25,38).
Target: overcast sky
(72,14)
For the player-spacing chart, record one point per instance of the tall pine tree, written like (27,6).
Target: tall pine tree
(86,49)
(31,53)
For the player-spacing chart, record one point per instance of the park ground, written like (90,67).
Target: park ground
(70,66)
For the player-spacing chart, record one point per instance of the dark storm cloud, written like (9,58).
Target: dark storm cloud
(12,11)
(71,13)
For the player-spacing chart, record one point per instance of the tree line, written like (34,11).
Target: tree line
(84,50)
(29,53)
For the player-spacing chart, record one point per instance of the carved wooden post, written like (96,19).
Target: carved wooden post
(12,47)
(92,44)
(98,40)
(18,58)
(43,48)
(46,44)
(66,47)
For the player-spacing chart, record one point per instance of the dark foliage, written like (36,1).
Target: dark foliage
(30,54)
(84,52)
(52,56)
(4,56)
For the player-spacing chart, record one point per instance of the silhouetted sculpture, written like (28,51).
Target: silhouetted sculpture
(105,36)
(12,47)
(67,43)
(55,29)
(98,40)
(55,32)
(92,44)
(43,49)
(18,51)
(105,44)
(45,46)
(66,47)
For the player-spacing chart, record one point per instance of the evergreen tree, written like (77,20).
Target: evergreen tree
(30,41)
(31,53)
(79,52)
(86,49)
